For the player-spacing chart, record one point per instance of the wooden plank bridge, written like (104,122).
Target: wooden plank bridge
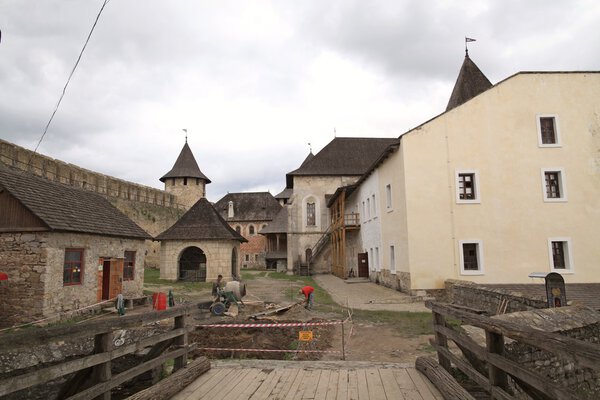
(270,379)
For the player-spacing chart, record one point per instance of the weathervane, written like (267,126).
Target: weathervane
(185,130)
(467,40)
(310,147)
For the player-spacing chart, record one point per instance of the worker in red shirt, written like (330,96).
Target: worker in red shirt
(309,294)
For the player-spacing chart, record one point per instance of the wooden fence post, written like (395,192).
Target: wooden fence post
(495,345)
(441,340)
(182,340)
(102,373)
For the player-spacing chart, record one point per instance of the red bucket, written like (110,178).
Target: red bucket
(159,301)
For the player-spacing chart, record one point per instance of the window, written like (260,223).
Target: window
(238,229)
(73,267)
(256,257)
(197,181)
(392,260)
(251,229)
(311,219)
(364,211)
(374,206)
(388,196)
(129,266)
(471,257)
(185,181)
(467,186)
(377,267)
(553,180)
(371,261)
(548,135)
(247,257)
(368,208)
(560,255)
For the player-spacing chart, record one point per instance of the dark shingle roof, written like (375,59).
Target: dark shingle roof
(68,209)
(201,222)
(470,82)
(254,206)
(343,157)
(284,194)
(185,166)
(279,223)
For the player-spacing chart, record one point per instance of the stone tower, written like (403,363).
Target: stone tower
(185,180)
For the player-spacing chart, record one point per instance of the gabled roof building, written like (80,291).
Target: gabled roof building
(63,248)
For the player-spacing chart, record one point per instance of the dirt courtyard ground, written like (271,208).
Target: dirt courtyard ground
(385,326)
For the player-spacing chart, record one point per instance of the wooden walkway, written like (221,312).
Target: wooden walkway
(268,379)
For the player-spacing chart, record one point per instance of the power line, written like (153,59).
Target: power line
(69,80)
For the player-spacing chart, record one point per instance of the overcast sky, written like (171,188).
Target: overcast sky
(254,82)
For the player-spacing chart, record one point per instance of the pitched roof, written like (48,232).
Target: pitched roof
(343,157)
(279,223)
(309,157)
(252,206)
(68,209)
(284,194)
(185,166)
(201,222)
(470,82)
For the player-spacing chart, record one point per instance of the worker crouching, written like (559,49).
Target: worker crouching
(309,294)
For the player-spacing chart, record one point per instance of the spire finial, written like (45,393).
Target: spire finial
(185,130)
(334,132)
(310,147)
(467,40)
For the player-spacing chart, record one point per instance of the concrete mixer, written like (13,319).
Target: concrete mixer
(229,295)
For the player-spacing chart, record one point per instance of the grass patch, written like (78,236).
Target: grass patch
(406,323)
(249,275)
(152,277)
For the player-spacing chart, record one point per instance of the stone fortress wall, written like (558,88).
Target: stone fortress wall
(154,210)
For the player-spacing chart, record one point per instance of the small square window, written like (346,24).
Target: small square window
(553,185)
(471,257)
(560,255)
(467,186)
(548,134)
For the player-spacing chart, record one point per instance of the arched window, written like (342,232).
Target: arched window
(251,229)
(311,219)
(238,229)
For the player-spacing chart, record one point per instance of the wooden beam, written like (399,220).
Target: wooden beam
(441,340)
(102,373)
(495,345)
(181,341)
(585,353)
(442,380)
(19,382)
(36,336)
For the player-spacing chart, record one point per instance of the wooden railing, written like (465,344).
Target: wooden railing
(352,219)
(96,367)
(499,367)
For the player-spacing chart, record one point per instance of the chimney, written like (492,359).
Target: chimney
(230,210)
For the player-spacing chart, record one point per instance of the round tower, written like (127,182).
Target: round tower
(185,180)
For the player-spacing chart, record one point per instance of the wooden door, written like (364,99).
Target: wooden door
(106,279)
(363,265)
(116,277)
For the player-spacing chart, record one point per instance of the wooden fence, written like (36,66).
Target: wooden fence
(96,367)
(492,357)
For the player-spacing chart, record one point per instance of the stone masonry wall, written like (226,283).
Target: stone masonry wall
(469,294)
(218,257)
(23,257)
(56,170)
(399,281)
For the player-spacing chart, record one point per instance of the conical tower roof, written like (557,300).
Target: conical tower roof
(470,82)
(309,157)
(185,166)
(201,222)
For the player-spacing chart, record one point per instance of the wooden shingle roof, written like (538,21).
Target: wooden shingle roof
(343,157)
(251,206)
(185,166)
(470,82)
(201,222)
(67,209)
(279,223)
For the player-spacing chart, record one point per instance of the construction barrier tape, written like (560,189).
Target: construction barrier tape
(282,325)
(268,350)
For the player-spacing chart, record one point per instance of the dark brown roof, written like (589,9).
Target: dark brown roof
(470,82)
(309,157)
(67,209)
(201,222)
(252,206)
(343,157)
(185,166)
(284,194)
(279,223)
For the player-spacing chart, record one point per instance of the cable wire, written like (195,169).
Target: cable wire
(68,80)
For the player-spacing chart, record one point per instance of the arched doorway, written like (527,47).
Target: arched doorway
(192,265)
(234,262)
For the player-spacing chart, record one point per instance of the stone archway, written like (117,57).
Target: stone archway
(192,265)
(234,262)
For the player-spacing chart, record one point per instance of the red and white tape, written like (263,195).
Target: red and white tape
(282,325)
(267,350)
